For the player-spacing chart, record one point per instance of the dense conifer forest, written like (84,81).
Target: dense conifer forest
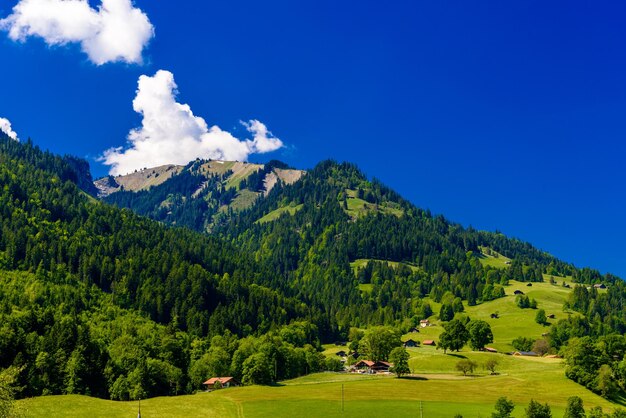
(99,300)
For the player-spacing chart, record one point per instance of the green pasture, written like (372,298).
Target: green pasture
(494,259)
(275,214)
(318,395)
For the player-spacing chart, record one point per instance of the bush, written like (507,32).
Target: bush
(503,407)
(491,365)
(466,366)
(522,343)
(333,364)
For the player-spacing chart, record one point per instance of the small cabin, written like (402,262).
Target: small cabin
(411,343)
(424,323)
(599,286)
(341,353)
(429,342)
(490,350)
(552,316)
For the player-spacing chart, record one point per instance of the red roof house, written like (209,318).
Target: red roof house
(225,381)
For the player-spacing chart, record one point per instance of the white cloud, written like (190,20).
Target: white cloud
(116,31)
(5,126)
(171,134)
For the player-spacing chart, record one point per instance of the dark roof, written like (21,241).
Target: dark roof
(525,353)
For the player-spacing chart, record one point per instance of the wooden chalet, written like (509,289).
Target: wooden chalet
(429,342)
(372,367)
(424,323)
(226,382)
(490,350)
(411,343)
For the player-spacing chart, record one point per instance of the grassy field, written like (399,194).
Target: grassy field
(494,259)
(363,396)
(358,207)
(275,214)
(437,390)
(362,262)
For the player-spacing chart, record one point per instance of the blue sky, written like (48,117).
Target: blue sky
(499,115)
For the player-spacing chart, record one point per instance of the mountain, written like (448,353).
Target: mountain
(200,195)
(98,299)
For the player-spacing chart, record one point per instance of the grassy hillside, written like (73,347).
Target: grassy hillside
(275,214)
(489,257)
(320,395)
(435,383)
(362,262)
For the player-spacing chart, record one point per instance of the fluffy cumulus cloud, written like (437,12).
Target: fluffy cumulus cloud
(5,126)
(171,134)
(116,31)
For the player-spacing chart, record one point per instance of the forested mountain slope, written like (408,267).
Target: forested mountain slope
(83,286)
(89,291)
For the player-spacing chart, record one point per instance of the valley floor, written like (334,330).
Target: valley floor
(436,395)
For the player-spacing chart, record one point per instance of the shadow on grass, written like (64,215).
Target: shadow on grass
(456,355)
(413,378)
(619,399)
(276,385)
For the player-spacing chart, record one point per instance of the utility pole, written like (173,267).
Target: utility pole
(139,411)
(342,397)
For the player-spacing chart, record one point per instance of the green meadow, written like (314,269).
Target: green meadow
(434,390)
(437,395)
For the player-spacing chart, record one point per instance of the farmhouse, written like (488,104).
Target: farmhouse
(518,292)
(429,342)
(411,343)
(424,323)
(368,366)
(225,381)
